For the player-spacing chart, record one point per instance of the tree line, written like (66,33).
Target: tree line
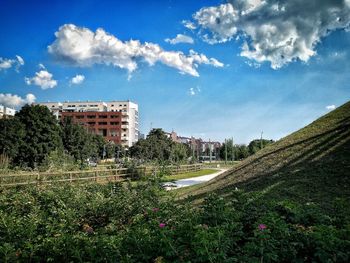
(34,136)
(231,151)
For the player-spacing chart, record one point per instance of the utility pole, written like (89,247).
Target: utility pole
(261,146)
(225,151)
(209,151)
(232,153)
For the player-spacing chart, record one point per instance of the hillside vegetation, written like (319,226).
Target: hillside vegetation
(310,165)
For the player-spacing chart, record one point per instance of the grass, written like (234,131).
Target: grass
(310,165)
(189,175)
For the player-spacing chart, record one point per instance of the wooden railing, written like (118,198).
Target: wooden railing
(96,175)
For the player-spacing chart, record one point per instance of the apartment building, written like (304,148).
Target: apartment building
(199,147)
(116,121)
(6,112)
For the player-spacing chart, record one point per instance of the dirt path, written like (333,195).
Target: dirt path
(192,181)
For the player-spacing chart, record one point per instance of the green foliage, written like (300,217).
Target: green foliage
(258,144)
(58,161)
(11,137)
(34,138)
(241,151)
(42,135)
(158,147)
(120,223)
(76,140)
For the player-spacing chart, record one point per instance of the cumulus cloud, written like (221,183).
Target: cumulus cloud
(6,63)
(83,47)
(275,31)
(180,39)
(43,79)
(15,101)
(330,107)
(78,79)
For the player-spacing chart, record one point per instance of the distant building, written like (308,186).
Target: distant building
(117,121)
(6,112)
(199,147)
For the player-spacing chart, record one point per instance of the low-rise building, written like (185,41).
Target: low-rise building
(199,147)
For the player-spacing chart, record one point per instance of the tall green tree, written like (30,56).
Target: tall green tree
(11,137)
(78,142)
(42,135)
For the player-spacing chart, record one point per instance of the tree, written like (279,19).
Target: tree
(11,137)
(180,152)
(242,151)
(230,148)
(255,145)
(42,135)
(158,147)
(78,142)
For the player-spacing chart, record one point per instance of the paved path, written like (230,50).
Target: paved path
(192,181)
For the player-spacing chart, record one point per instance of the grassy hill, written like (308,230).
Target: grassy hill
(310,165)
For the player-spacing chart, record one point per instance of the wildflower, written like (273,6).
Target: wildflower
(88,229)
(162,225)
(156,209)
(262,227)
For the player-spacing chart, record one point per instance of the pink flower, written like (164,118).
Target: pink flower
(156,209)
(162,225)
(262,227)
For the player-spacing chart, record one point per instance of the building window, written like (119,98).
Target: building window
(113,133)
(91,116)
(102,132)
(114,123)
(114,116)
(80,116)
(102,123)
(102,116)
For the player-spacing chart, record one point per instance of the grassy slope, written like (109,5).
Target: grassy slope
(312,164)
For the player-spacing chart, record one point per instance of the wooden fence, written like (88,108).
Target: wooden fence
(95,175)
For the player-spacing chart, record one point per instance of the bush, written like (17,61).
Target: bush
(142,223)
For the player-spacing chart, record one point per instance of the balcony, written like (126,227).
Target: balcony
(125,126)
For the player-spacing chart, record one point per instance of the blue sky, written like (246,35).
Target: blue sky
(239,96)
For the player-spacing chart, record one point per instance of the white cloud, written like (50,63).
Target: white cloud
(41,66)
(8,63)
(78,79)
(180,39)
(15,101)
(188,24)
(42,79)
(194,91)
(330,107)
(275,31)
(83,47)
